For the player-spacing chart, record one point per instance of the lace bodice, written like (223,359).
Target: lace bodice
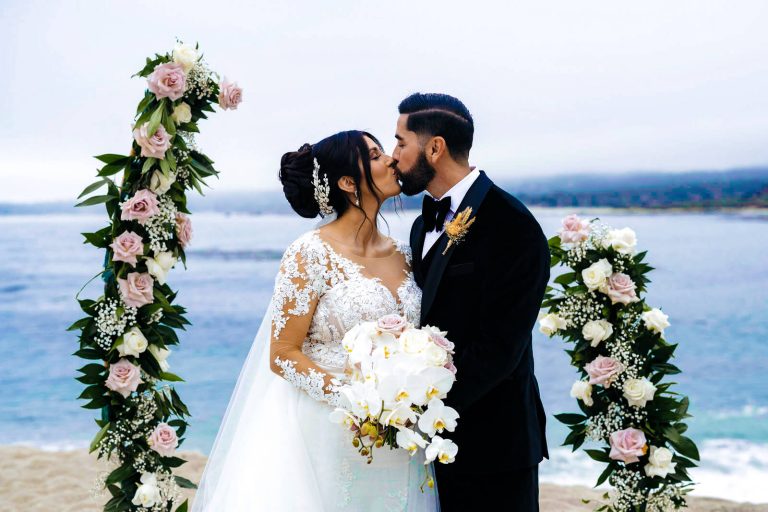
(312,273)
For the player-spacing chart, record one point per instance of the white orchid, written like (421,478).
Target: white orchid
(438,417)
(410,440)
(400,414)
(364,399)
(433,382)
(444,450)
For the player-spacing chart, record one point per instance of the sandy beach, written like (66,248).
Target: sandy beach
(36,480)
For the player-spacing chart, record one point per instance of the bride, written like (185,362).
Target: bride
(276,449)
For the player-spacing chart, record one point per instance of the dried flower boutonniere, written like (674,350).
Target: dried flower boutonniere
(457,228)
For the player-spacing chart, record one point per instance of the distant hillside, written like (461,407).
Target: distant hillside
(734,188)
(699,189)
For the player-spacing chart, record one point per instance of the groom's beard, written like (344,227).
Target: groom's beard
(417,178)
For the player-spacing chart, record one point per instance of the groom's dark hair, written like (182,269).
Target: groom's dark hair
(440,115)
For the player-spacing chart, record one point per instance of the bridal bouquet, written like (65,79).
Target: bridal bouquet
(399,374)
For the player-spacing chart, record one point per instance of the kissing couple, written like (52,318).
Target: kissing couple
(476,266)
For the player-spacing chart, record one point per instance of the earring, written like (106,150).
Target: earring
(357,199)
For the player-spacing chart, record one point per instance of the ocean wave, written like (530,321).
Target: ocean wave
(731,469)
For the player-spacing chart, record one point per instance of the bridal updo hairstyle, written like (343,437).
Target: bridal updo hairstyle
(337,156)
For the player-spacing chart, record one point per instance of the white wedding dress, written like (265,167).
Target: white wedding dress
(276,449)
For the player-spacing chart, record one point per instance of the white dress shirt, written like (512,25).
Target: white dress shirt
(457,193)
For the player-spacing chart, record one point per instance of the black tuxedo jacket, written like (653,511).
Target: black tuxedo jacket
(486,291)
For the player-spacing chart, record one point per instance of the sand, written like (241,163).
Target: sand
(35,480)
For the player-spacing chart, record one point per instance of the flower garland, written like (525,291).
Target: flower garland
(622,356)
(130,327)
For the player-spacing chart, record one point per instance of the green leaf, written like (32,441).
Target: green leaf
(171,377)
(92,369)
(96,240)
(93,186)
(99,436)
(183,482)
(91,392)
(88,353)
(566,278)
(111,158)
(80,324)
(95,200)
(157,116)
(189,127)
(114,167)
(598,455)
(183,506)
(120,474)
(148,163)
(687,447)
(174,462)
(570,419)
(165,167)
(148,97)
(604,475)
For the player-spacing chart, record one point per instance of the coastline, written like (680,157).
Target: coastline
(33,479)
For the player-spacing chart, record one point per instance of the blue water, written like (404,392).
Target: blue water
(710,278)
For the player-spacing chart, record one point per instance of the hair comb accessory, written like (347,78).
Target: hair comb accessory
(322,190)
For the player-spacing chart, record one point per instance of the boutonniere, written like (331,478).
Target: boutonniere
(457,228)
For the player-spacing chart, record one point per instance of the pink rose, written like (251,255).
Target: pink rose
(126,247)
(163,440)
(620,288)
(140,207)
(230,95)
(574,229)
(154,146)
(394,324)
(603,370)
(168,81)
(183,229)
(124,377)
(137,289)
(627,445)
(442,342)
(450,366)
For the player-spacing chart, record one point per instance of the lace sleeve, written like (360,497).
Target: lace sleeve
(299,284)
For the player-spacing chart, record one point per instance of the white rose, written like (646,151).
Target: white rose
(596,274)
(582,390)
(160,355)
(160,265)
(596,331)
(147,494)
(623,241)
(159,183)
(181,113)
(550,323)
(655,320)
(638,391)
(413,341)
(186,55)
(134,343)
(660,462)
(434,355)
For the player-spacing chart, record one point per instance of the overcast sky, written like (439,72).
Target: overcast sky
(554,87)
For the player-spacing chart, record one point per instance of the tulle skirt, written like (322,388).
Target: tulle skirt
(288,456)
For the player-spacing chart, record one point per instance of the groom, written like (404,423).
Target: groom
(485,290)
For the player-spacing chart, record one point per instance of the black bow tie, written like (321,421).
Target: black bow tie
(433,212)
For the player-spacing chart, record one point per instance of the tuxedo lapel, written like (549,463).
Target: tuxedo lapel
(439,261)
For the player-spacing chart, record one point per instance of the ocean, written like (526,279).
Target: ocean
(710,277)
